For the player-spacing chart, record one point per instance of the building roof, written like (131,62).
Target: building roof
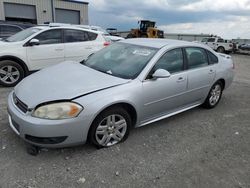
(76,1)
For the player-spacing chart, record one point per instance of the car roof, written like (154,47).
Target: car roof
(159,43)
(46,27)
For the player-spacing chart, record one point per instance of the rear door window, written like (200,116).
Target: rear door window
(197,57)
(71,35)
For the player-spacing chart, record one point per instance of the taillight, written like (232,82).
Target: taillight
(106,43)
(233,65)
(230,45)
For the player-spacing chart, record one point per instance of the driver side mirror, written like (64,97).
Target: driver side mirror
(34,42)
(161,73)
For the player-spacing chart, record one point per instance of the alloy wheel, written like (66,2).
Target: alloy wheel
(215,94)
(111,130)
(9,74)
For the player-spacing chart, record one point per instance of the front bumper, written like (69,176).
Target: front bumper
(47,133)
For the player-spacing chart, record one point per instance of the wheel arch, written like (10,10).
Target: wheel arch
(125,105)
(220,47)
(18,60)
(222,80)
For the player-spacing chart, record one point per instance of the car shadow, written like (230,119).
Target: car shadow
(86,149)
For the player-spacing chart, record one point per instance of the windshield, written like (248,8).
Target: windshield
(20,36)
(204,40)
(121,60)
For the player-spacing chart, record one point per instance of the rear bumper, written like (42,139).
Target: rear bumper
(47,133)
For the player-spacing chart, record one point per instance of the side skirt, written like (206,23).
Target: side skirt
(168,115)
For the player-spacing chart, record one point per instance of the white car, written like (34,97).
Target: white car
(218,44)
(39,47)
(107,35)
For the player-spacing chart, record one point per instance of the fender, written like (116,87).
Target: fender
(18,60)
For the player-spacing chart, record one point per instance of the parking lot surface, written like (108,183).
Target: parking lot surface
(197,148)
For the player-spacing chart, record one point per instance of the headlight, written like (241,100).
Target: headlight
(56,111)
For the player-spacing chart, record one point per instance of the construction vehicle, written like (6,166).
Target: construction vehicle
(147,29)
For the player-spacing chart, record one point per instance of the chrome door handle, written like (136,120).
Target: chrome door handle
(88,48)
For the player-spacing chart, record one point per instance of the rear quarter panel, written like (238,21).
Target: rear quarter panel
(225,69)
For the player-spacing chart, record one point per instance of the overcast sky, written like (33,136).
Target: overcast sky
(227,18)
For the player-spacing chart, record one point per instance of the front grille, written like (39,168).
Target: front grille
(46,140)
(22,106)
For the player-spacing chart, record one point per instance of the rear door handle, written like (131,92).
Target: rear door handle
(181,79)
(211,71)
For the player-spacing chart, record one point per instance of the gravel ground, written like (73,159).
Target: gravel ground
(198,148)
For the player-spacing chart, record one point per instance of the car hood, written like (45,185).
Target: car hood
(7,45)
(64,81)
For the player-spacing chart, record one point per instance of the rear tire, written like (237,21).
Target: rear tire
(221,49)
(110,127)
(214,95)
(11,73)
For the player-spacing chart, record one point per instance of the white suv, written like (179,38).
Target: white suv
(38,47)
(97,28)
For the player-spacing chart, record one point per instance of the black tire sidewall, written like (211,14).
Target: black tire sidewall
(17,66)
(104,114)
(207,103)
(221,49)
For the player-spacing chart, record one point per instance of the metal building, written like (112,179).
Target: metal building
(186,37)
(40,11)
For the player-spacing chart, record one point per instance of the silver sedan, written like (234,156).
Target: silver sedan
(132,83)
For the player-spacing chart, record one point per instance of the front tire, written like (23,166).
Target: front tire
(10,73)
(110,127)
(214,95)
